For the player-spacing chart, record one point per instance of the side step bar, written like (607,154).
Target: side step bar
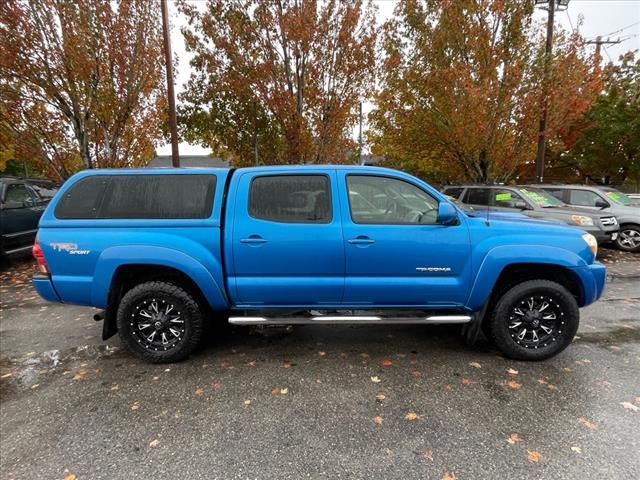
(349,320)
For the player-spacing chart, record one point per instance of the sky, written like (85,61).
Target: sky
(609,18)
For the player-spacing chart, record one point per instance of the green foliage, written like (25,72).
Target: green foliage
(607,147)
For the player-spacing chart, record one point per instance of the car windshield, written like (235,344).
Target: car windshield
(540,197)
(619,197)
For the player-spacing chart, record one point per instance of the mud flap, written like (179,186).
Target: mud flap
(109,327)
(471,330)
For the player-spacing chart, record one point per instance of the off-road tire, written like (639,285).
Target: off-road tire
(164,293)
(506,339)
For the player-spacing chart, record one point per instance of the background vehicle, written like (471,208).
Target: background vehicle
(22,202)
(608,200)
(163,250)
(535,203)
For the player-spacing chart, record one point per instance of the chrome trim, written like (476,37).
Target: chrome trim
(21,249)
(19,234)
(350,319)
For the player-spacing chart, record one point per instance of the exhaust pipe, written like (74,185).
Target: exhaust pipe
(99,316)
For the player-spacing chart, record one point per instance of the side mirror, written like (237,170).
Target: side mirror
(601,204)
(447,214)
(520,204)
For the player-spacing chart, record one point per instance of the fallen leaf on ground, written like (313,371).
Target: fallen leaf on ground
(36,385)
(576,449)
(154,443)
(280,390)
(215,386)
(167,369)
(115,386)
(466,381)
(364,355)
(411,416)
(322,354)
(511,371)
(377,420)
(387,362)
(136,405)
(587,423)
(428,455)
(542,381)
(375,379)
(533,456)
(318,381)
(448,476)
(630,406)
(70,477)
(286,365)
(247,402)
(513,384)
(475,365)
(252,363)
(199,392)
(514,438)
(380,397)
(7,375)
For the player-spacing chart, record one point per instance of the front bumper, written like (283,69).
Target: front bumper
(593,279)
(44,286)
(603,235)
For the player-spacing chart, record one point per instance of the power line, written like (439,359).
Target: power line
(607,52)
(624,28)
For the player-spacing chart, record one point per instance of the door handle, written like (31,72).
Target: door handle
(361,240)
(253,239)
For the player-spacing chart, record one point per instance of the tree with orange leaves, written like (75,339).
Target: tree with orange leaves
(461,86)
(82,72)
(278,81)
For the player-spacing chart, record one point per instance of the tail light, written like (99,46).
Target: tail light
(39,256)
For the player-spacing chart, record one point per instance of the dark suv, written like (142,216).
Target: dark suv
(22,202)
(535,203)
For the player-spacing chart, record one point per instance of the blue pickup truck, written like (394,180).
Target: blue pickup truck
(163,251)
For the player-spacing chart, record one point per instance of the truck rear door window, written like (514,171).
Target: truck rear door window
(291,198)
(140,197)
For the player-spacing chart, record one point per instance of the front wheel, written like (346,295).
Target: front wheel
(534,320)
(160,322)
(628,239)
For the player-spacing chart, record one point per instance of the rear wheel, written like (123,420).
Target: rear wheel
(534,320)
(629,238)
(160,322)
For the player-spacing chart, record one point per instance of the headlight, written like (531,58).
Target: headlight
(581,220)
(591,241)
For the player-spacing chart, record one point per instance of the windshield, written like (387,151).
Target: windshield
(540,197)
(619,197)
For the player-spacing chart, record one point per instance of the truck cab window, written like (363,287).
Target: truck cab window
(384,200)
(291,198)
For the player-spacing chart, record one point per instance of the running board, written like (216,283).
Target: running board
(350,320)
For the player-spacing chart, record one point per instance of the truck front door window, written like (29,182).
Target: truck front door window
(384,200)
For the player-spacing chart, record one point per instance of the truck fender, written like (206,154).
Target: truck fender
(208,278)
(498,258)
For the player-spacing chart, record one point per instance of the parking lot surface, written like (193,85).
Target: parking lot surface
(317,402)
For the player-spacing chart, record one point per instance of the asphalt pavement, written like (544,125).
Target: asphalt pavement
(402,402)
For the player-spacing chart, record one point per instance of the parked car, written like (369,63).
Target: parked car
(22,202)
(163,250)
(608,200)
(535,203)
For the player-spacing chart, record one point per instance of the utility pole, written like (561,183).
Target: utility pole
(551,8)
(360,159)
(173,127)
(598,42)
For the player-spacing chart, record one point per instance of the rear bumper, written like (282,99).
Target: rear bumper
(593,279)
(44,286)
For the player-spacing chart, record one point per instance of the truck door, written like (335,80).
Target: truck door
(20,215)
(287,243)
(396,252)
